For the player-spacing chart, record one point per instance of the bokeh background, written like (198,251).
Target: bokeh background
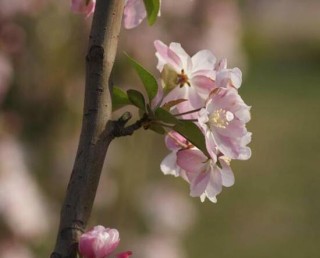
(273,209)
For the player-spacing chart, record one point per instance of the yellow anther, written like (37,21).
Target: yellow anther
(220,118)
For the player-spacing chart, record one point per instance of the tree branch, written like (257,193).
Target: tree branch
(120,129)
(97,129)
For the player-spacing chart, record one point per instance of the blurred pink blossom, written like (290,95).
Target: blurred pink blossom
(134,13)
(167,210)
(12,7)
(83,6)
(24,211)
(99,242)
(11,248)
(12,37)
(223,31)
(160,246)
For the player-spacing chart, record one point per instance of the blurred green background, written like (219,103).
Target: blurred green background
(271,211)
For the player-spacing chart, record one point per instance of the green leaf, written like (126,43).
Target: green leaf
(136,98)
(165,116)
(149,82)
(152,7)
(193,134)
(119,98)
(157,128)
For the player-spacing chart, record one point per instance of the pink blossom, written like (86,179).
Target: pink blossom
(185,77)
(99,242)
(134,13)
(174,143)
(223,121)
(83,6)
(205,176)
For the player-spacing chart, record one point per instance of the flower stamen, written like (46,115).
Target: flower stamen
(220,118)
(182,79)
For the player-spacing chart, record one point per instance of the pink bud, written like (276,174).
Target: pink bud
(124,254)
(83,6)
(99,242)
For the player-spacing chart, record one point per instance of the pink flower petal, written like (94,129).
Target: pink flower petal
(214,186)
(134,13)
(191,160)
(199,184)
(166,56)
(169,165)
(226,173)
(203,60)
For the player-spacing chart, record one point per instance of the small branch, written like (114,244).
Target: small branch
(119,129)
(97,128)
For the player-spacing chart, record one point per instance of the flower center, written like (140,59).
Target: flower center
(220,118)
(182,79)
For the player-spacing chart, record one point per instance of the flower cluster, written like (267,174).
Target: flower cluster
(100,242)
(204,91)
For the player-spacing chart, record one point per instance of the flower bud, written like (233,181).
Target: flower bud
(99,242)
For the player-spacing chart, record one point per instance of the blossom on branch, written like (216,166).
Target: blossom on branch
(100,242)
(205,92)
(204,174)
(185,77)
(223,121)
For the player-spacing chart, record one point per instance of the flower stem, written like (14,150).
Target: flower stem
(188,112)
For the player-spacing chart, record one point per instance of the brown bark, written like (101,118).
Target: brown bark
(97,128)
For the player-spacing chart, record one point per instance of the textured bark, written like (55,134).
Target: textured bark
(97,128)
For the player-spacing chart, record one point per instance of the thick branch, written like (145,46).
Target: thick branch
(97,129)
